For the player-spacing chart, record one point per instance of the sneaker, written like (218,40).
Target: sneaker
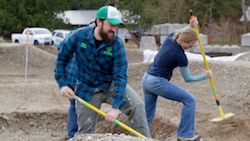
(194,138)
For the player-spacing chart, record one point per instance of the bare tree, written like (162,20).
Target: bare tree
(243,5)
(211,11)
(117,4)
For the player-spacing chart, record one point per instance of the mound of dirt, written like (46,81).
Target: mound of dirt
(108,137)
(13,56)
(36,110)
(134,55)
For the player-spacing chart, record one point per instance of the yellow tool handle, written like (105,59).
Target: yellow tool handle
(104,114)
(203,55)
(207,67)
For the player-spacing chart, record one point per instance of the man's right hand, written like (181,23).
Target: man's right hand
(67,92)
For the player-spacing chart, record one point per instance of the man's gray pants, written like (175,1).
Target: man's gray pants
(133,106)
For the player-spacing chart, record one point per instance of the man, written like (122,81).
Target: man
(101,74)
(71,77)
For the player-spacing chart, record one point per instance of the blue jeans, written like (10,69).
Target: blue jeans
(154,86)
(72,120)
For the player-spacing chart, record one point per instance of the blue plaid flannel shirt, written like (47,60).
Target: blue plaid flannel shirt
(70,70)
(96,67)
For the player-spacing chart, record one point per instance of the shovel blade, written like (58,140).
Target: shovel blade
(222,118)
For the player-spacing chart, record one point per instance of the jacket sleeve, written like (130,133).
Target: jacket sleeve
(66,50)
(188,77)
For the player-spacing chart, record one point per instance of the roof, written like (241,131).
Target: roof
(38,28)
(78,17)
(62,30)
(83,17)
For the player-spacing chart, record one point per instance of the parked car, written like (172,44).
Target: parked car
(37,36)
(59,35)
(129,37)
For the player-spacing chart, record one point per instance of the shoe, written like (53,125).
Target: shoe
(194,138)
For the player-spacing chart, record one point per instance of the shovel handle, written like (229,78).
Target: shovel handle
(206,64)
(104,114)
(191,13)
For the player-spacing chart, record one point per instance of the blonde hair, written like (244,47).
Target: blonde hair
(187,35)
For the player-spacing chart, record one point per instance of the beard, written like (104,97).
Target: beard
(105,35)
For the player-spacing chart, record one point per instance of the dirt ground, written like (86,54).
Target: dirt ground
(35,111)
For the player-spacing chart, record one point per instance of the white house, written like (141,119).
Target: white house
(78,18)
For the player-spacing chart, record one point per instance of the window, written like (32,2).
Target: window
(42,31)
(59,34)
(30,32)
(53,33)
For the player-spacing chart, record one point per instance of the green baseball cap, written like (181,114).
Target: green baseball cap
(110,14)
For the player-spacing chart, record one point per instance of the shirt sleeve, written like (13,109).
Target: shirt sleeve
(185,27)
(120,76)
(188,77)
(66,50)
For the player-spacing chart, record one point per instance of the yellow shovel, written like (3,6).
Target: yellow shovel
(222,115)
(104,114)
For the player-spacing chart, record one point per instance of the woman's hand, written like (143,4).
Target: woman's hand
(208,73)
(193,22)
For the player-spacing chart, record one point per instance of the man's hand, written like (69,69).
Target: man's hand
(193,22)
(112,115)
(67,92)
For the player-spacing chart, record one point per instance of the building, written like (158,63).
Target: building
(80,18)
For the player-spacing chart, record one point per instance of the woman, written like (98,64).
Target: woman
(155,81)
